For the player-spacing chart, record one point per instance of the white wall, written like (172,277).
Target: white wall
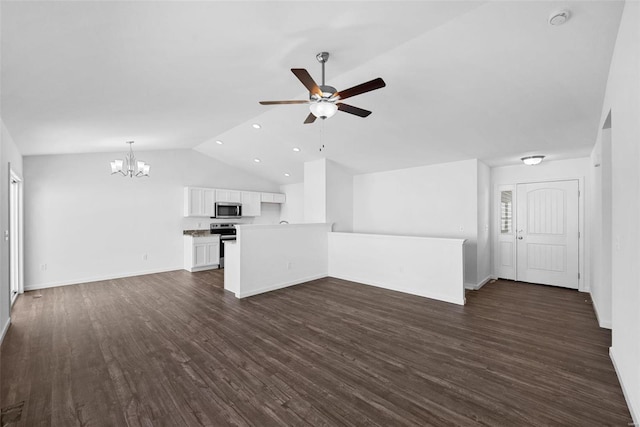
(9,154)
(428,267)
(339,197)
(430,201)
(552,171)
(328,194)
(484,224)
(84,224)
(265,258)
(600,229)
(315,191)
(622,98)
(292,210)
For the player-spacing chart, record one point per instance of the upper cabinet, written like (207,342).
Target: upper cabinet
(231,196)
(250,203)
(273,198)
(200,202)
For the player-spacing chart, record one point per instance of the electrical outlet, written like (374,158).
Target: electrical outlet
(43,267)
(145,257)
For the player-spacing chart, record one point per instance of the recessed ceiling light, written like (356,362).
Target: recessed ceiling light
(296,149)
(532,160)
(559,17)
(256,126)
(257,160)
(219,142)
(287,174)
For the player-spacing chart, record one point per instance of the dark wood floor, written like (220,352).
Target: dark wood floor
(174,349)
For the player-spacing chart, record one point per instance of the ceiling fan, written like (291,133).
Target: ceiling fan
(325,100)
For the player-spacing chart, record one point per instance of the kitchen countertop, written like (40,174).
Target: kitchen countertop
(198,233)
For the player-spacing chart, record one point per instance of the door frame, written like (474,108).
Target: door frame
(583,269)
(16,235)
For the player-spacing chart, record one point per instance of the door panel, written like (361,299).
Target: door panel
(547,233)
(199,254)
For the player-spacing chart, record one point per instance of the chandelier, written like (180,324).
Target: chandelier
(129,166)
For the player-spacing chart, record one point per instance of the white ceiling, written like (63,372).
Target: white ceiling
(487,80)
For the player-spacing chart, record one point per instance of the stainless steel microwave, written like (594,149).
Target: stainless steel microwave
(228,210)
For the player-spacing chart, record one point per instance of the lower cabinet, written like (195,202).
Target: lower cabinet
(201,252)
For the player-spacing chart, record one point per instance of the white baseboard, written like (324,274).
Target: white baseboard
(604,323)
(196,269)
(445,298)
(634,415)
(475,287)
(5,329)
(78,281)
(280,286)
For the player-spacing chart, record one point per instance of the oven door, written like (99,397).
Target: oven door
(228,210)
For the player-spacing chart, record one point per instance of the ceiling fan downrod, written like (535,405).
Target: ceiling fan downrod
(322,58)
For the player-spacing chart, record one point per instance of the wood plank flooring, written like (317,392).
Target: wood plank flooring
(174,349)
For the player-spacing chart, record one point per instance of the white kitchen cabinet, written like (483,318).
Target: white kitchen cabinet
(199,201)
(201,252)
(251,203)
(273,198)
(231,196)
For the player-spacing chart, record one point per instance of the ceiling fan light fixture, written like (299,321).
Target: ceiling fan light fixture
(323,109)
(532,160)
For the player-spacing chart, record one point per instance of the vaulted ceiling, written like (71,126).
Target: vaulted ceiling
(488,80)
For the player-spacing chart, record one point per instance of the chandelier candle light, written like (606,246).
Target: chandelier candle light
(129,166)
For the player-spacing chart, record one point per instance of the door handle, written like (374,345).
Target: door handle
(520,237)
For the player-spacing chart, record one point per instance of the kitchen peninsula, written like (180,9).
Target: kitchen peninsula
(268,257)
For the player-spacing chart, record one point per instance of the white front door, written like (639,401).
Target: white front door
(547,233)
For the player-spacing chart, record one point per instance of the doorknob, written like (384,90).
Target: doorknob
(520,237)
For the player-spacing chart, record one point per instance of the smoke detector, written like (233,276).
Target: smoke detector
(559,17)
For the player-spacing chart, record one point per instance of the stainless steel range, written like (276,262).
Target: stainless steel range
(226,232)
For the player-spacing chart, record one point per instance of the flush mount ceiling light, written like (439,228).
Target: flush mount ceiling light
(257,160)
(296,149)
(559,17)
(219,142)
(532,160)
(256,126)
(287,174)
(129,166)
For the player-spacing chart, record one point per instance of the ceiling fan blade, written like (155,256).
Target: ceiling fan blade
(304,76)
(310,119)
(283,102)
(353,110)
(361,88)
